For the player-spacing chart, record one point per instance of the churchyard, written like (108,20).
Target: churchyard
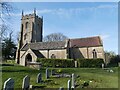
(59,77)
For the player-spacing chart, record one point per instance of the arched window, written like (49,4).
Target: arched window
(26,25)
(53,56)
(94,53)
(25,36)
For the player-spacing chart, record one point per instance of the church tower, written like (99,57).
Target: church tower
(31,28)
(31,31)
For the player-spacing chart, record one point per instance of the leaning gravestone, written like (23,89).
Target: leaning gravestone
(73,81)
(26,82)
(39,78)
(47,74)
(9,84)
(69,85)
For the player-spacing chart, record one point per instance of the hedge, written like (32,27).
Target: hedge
(56,62)
(90,63)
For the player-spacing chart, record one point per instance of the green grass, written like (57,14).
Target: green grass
(100,78)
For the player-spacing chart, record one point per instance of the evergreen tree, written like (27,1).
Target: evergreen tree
(8,48)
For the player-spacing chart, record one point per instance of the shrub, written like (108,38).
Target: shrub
(56,62)
(59,71)
(90,62)
(10,61)
(114,60)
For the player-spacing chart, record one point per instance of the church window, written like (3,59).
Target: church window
(53,56)
(94,53)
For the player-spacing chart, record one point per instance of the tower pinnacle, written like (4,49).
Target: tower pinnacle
(22,13)
(35,11)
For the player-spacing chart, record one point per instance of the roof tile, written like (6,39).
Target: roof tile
(45,45)
(86,42)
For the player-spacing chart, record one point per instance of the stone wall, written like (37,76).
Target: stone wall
(99,50)
(87,52)
(44,53)
(61,54)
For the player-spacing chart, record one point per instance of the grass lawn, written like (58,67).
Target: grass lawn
(100,78)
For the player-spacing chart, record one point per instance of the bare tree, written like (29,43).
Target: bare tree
(110,53)
(5,8)
(55,37)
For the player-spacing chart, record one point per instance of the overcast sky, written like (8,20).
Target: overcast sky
(75,20)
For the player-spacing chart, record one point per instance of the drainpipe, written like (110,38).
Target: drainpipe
(48,54)
(87,53)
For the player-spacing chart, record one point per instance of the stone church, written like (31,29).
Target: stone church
(31,47)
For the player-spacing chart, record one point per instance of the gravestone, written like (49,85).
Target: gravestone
(9,84)
(118,64)
(61,88)
(73,81)
(39,78)
(26,82)
(76,64)
(31,87)
(103,65)
(69,85)
(47,73)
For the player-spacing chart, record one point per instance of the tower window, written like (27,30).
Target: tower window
(94,53)
(26,25)
(25,36)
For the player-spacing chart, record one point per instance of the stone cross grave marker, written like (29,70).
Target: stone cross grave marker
(73,81)
(39,78)
(69,84)
(9,84)
(26,82)
(47,73)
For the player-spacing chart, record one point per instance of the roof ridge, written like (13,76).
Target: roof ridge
(85,37)
(47,42)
